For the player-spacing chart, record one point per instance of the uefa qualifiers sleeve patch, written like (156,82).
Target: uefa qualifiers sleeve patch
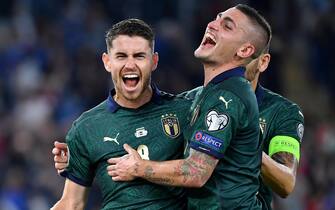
(208,144)
(284,144)
(216,121)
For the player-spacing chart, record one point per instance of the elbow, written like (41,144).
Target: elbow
(199,182)
(287,189)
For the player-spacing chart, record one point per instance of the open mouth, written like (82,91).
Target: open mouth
(131,80)
(209,40)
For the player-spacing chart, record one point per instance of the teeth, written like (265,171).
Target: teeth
(130,76)
(210,36)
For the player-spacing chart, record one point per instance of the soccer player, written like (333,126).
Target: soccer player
(223,133)
(282,127)
(135,112)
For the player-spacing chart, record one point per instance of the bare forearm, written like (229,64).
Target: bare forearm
(67,204)
(74,197)
(174,173)
(193,171)
(279,173)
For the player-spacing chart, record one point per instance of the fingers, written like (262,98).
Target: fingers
(128,148)
(61,146)
(60,166)
(60,159)
(56,151)
(114,160)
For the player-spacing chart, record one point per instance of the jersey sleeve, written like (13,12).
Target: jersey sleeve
(216,124)
(288,132)
(79,169)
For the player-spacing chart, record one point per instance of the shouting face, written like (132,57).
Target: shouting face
(131,61)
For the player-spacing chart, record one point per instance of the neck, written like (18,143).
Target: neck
(144,98)
(255,82)
(212,71)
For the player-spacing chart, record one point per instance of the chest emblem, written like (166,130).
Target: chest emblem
(221,98)
(106,138)
(140,132)
(170,125)
(216,121)
(262,125)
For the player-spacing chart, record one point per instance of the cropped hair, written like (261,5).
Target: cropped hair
(130,27)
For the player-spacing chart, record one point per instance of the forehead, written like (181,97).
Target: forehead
(127,43)
(235,16)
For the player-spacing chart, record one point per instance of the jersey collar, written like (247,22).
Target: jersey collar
(259,94)
(235,72)
(113,106)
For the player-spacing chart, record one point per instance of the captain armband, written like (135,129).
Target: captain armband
(284,144)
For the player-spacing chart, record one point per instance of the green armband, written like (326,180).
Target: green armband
(284,144)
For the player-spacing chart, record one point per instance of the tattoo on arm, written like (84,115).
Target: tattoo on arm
(149,175)
(198,167)
(286,159)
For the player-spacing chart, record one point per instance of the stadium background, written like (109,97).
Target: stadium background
(51,71)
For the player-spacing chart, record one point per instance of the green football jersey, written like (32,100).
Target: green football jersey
(155,130)
(224,124)
(282,123)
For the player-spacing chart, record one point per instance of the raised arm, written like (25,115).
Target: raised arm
(194,171)
(74,197)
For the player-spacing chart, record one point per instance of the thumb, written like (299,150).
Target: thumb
(61,146)
(128,149)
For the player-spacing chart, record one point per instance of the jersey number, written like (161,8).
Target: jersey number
(143,150)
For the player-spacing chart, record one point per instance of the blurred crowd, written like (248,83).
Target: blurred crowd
(51,71)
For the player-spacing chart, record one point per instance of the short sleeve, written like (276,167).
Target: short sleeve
(79,169)
(216,125)
(290,122)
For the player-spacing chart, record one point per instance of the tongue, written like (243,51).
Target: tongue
(131,82)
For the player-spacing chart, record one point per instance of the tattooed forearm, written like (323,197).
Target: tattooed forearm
(198,166)
(191,172)
(149,175)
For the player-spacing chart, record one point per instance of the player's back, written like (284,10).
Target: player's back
(155,130)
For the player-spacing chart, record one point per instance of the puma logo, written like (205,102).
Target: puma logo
(224,101)
(106,138)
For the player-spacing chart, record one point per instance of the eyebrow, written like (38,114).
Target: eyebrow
(228,19)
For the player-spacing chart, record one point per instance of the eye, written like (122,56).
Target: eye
(228,26)
(140,56)
(120,56)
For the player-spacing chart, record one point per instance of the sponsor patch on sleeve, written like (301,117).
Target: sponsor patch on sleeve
(208,144)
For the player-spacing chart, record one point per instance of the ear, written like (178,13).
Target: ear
(263,62)
(155,59)
(106,60)
(246,50)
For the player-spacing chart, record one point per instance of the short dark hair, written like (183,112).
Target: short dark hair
(130,27)
(256,18)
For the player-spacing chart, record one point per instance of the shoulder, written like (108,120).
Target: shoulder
(93,114)
(179,99)
(283,104)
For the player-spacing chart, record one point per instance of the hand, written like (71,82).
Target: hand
(61,156)
(124,168)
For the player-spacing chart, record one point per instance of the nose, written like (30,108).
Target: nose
(130,64)
(213,25)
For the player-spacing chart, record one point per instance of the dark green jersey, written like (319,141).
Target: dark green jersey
(224,124)
(155,130)
(281,122)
